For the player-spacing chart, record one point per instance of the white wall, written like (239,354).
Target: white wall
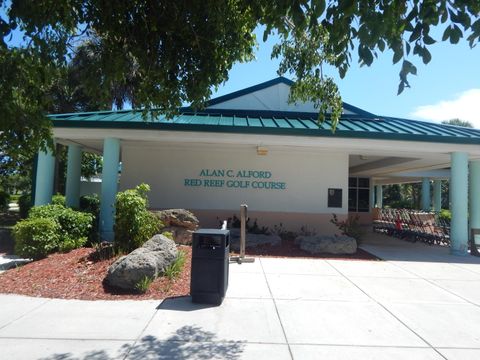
(307,175)
(90,187)
(274,98)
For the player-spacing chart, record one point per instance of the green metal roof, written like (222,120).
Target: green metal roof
(367,126)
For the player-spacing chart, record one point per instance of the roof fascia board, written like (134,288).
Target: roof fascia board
(263,130)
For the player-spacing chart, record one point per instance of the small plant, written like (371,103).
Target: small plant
(284,233)
(234,223)
(305,231)
(349,227)
(143,285)
(134,224)
(174,269)
(168,234)
(102,251)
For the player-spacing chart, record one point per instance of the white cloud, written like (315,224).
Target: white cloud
(466,106)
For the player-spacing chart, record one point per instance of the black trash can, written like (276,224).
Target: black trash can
(210,257)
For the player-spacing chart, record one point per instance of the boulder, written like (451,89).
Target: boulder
(150,260)
(327,244)
(178,218)
(180,222)
(253,240)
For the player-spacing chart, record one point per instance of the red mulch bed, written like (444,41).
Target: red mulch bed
(75,276)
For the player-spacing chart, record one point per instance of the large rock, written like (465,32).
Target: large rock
(150,261)
(327,244)
(253,240)
(180,222)
(178,217)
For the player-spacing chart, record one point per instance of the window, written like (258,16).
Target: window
(358,194)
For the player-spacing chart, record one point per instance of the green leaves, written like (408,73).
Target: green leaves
(407,68)
(134,224)
(162,54)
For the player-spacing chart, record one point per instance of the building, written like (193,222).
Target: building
(253,147)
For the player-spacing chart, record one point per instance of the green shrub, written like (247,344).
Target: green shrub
(69,244)
(134,224)
(59,199)
(4,200)
(91,204)
(36,238)
(74,226)
(24,203)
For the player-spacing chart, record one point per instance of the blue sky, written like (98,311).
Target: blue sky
(448,87)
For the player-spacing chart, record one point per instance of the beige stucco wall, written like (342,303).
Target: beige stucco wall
(306,175)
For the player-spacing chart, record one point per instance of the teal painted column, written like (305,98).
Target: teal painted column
(44,178)
(437,195)
(426,200)
(111,156)
(379,195)
(474,195)
(459,206)
(74,165)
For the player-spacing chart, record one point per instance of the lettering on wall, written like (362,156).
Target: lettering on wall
(235,179)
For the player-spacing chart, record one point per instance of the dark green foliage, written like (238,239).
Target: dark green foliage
(74,226)
(25,204)
(134,224)
(91,205)
(36,238)
(4,200)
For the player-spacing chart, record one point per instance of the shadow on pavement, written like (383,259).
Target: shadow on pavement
(182,303)
(188,342)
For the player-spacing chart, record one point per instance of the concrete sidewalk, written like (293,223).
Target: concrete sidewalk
(421,304)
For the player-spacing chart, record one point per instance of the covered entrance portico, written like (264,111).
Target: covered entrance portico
(430,168)
(210,161)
